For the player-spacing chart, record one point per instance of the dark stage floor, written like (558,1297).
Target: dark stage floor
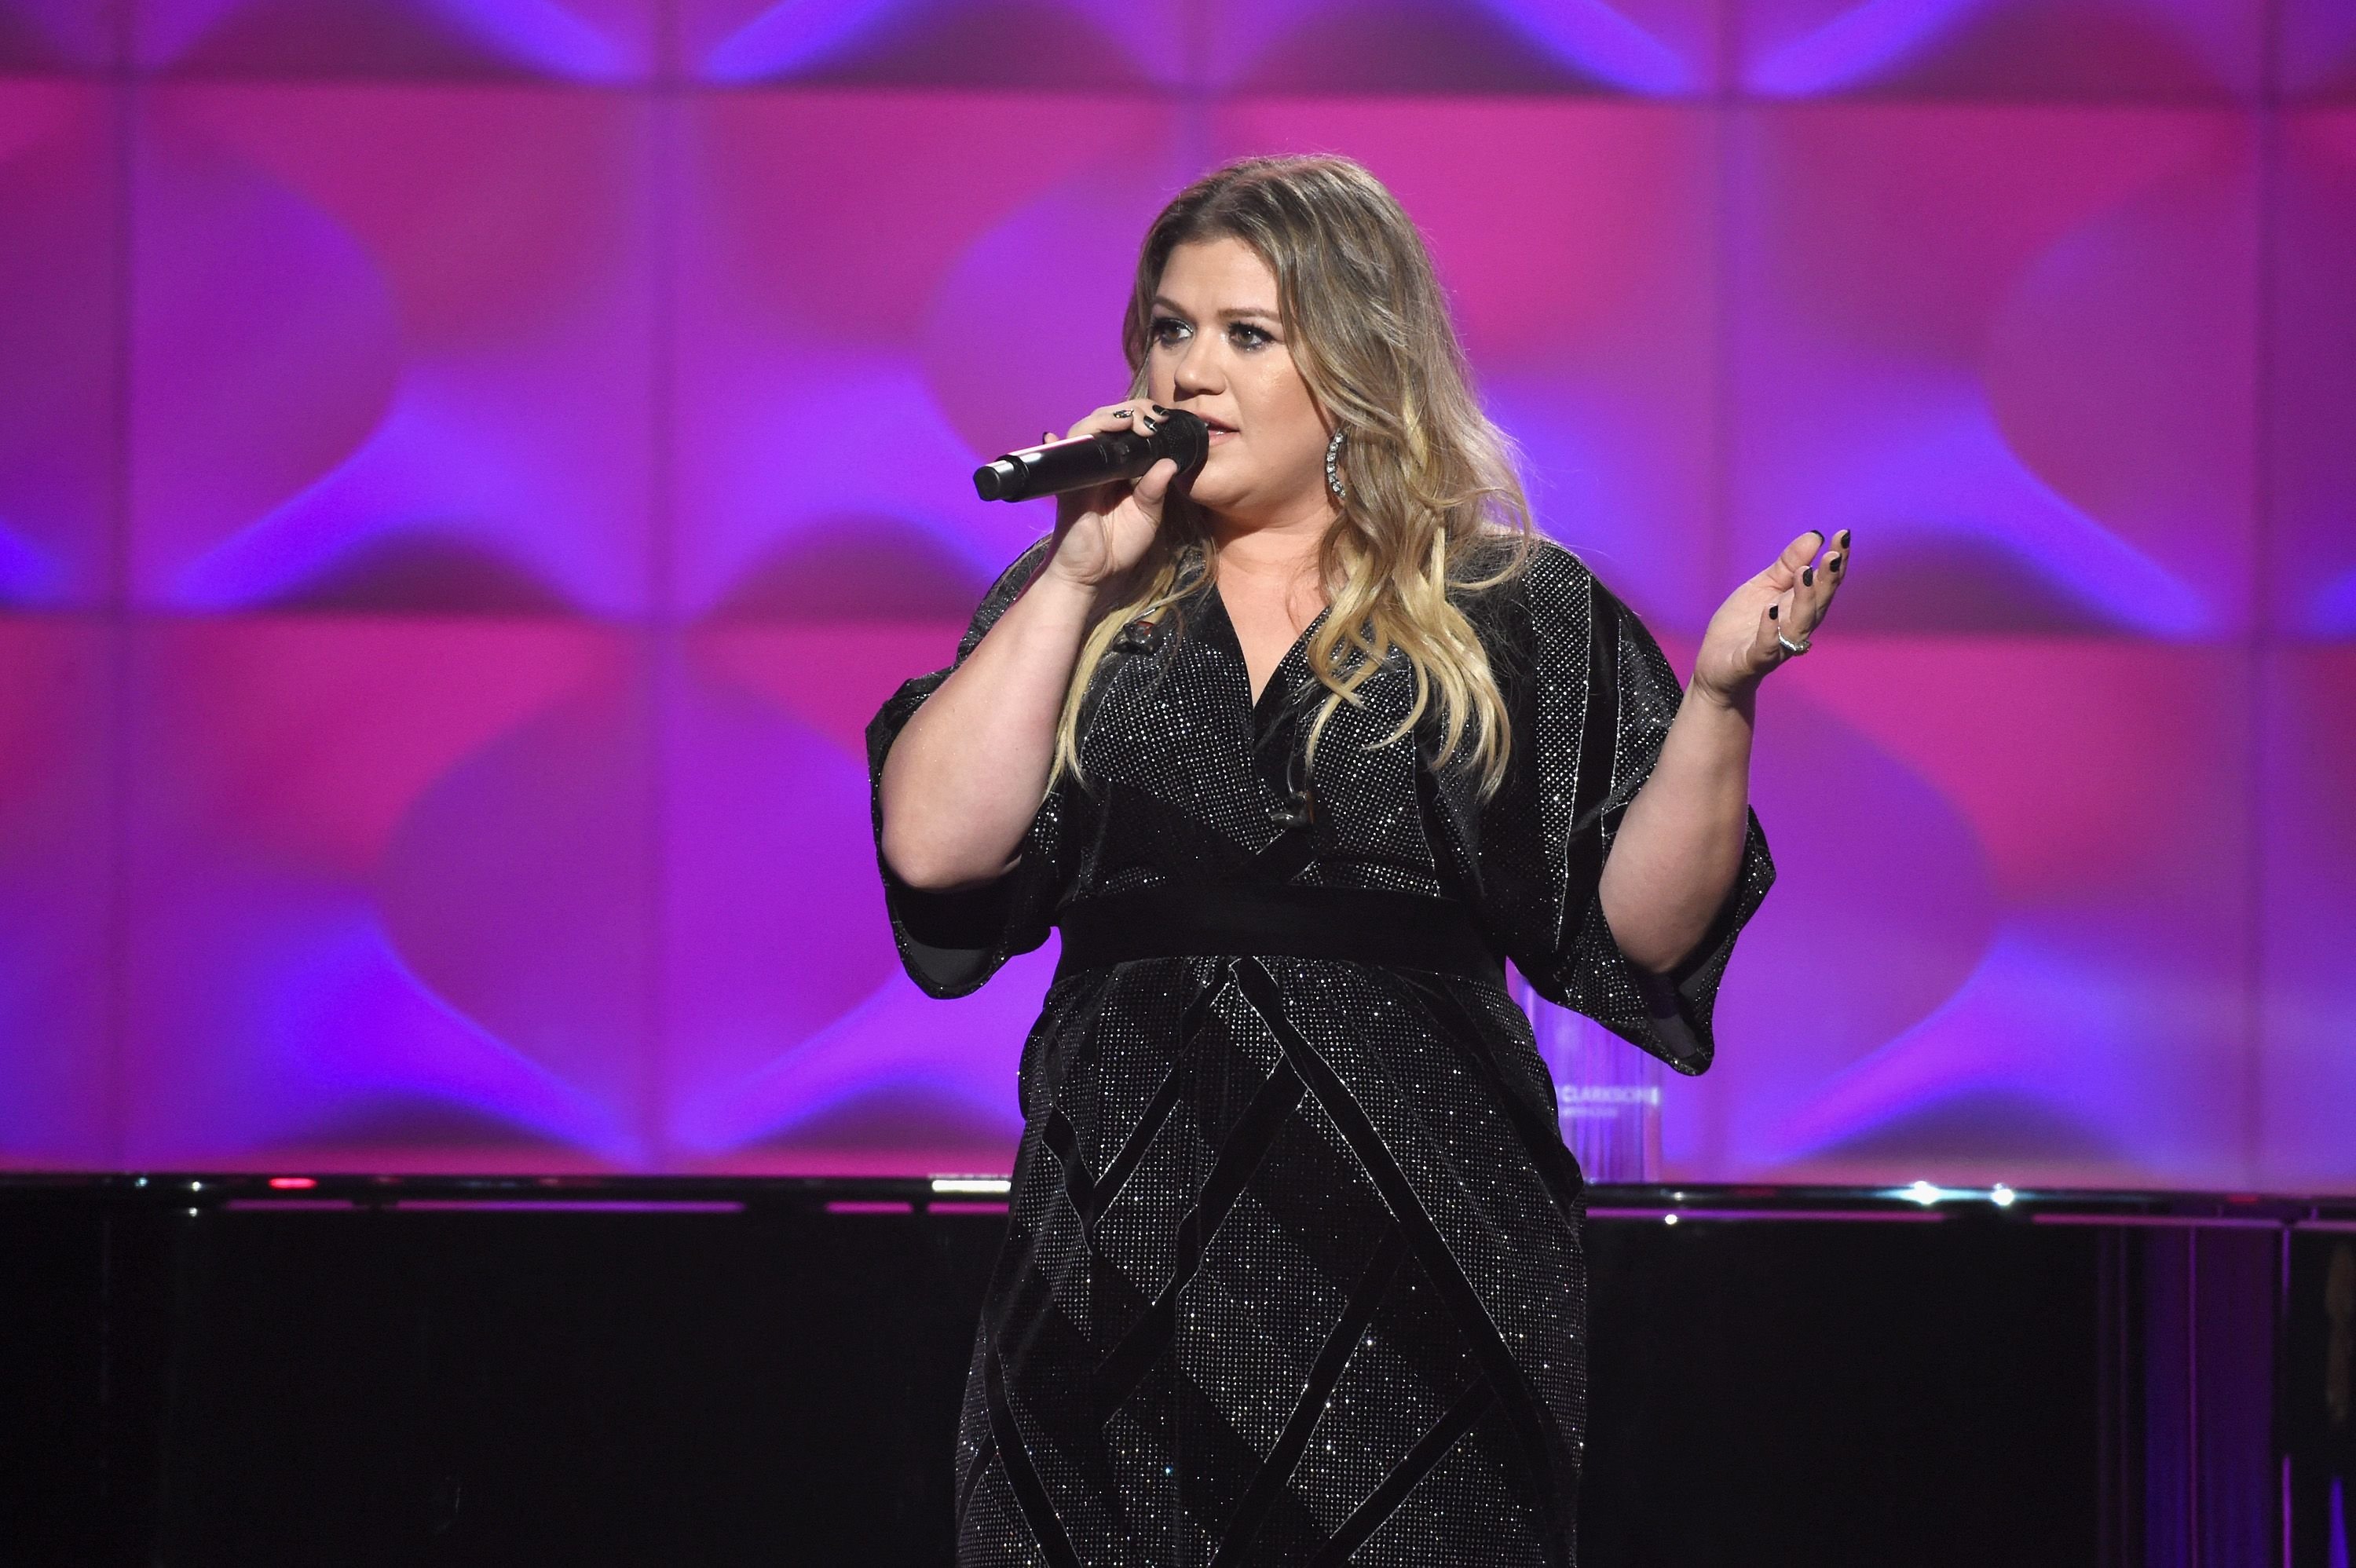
(218,1371)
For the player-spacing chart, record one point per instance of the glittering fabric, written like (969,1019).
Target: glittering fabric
(1293,1272)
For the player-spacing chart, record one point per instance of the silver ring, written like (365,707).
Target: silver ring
(1790,649)
(1121,413)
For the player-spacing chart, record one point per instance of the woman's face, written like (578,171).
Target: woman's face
(1219,352)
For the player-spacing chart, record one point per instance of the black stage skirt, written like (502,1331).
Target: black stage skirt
(1293,1274)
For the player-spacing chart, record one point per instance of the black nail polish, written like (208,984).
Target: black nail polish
(1843,538)
(1157,408)
(1771,612)
(1808,578)
(1833,566)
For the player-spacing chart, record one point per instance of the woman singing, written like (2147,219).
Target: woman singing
(1295,754)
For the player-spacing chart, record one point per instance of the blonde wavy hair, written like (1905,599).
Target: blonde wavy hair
(1434,503)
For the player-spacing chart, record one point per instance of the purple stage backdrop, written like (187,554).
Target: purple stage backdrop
(470,469)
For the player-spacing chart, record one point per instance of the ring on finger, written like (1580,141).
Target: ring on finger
(1791,650)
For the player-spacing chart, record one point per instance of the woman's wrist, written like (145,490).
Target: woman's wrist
(1060,577)
(1740,698)
(1063,592)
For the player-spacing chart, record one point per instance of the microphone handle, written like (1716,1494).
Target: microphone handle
(1062,465)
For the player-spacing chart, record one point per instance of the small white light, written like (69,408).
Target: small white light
(996,1184)
(2002,1196)
(1668,1218)
(1678,1196)
(1923,1192)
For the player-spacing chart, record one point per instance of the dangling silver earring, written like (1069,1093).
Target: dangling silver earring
(1333,478)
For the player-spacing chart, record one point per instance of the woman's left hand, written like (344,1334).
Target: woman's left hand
(1787,601)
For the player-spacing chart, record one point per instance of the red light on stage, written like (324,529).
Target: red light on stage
(292,1183)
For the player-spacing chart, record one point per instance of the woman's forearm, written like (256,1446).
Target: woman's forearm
(965,777)
(1679,847)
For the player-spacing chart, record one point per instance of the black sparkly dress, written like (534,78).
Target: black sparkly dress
(1293,1272)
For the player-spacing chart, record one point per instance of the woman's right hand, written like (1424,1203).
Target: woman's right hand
(963,783)
(1102,531)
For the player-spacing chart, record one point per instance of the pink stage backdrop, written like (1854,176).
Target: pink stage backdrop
(469,468)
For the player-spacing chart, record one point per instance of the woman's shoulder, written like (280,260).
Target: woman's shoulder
(1508,571)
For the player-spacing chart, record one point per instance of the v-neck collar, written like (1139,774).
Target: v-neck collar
(1294,661)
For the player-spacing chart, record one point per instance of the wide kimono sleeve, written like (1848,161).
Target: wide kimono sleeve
(953,941)
(1592,697)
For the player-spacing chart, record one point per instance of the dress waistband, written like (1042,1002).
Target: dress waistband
(1400,931)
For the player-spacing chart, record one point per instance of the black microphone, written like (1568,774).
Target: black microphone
(1062,465)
